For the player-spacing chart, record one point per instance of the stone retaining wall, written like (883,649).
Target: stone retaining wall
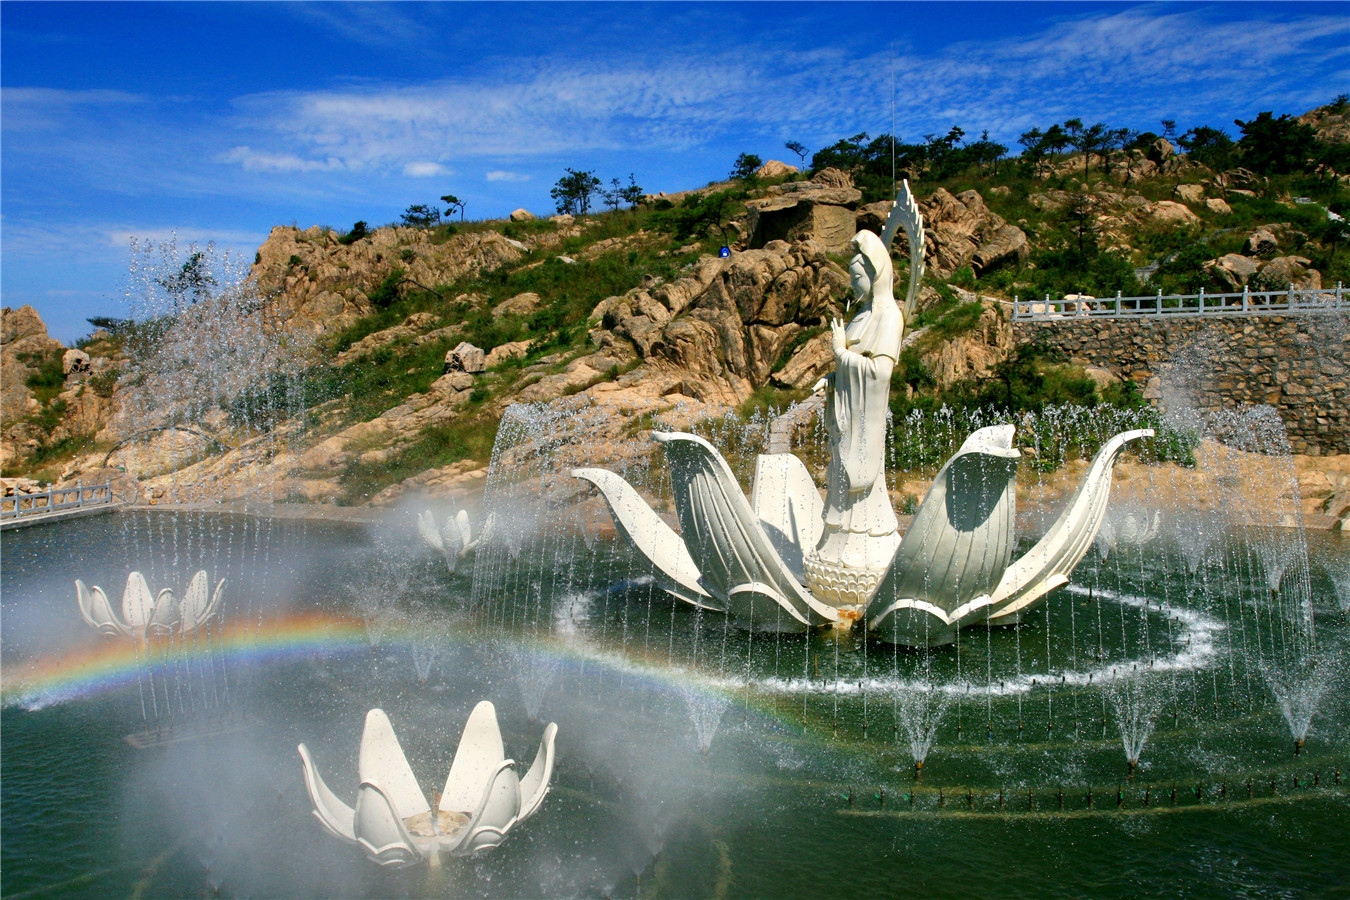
(1299,364)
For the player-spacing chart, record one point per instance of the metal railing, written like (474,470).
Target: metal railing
(22,505)
(1247,303)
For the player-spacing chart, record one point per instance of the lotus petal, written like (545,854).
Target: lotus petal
(381,762)
(477,760)
(1047,565)
(426,527)
(164,619)
(465,529)
(379,828)
(98,612)
(676,572)
(497,813)
(788,506)
(955,549)
(721,530)
(137,604)
(1138,527)
(534,786)
(331,812)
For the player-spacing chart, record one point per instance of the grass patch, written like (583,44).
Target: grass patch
(434,447)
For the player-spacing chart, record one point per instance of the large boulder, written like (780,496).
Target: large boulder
(1169,213)
(775,169)
(1261,242)
(963,231)
(823,210)
(1232,270)
(1287,272)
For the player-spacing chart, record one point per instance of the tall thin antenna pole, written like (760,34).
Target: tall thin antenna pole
(892,115)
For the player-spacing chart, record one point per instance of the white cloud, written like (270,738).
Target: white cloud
(259,161)
(1112,65)
(424,170)
(37,109)
(500,175)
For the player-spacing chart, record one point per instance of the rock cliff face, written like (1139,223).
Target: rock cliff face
(24,345)
(320,284)
(718,333)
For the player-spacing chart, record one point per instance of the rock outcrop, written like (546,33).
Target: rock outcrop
(319,284)
(963,231)
(717,333)
(24,346)
(823,210)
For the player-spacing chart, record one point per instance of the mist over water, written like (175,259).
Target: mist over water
(1203,638)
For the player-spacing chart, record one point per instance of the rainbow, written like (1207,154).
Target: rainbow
(113,663)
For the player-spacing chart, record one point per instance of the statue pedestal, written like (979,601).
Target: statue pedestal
(842,586)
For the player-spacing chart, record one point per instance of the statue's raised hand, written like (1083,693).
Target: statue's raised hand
(838,340)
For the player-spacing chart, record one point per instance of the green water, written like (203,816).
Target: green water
(800,781)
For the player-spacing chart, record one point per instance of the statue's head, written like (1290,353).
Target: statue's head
(878,325)
(870,268)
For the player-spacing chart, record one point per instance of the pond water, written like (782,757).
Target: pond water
(693,759)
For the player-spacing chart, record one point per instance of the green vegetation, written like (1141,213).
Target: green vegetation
(435,446)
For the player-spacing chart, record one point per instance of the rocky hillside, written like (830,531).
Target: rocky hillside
(389,356)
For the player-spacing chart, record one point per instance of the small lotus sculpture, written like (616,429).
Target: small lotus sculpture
(452,538)
(786,559)
(1129,527)
(394,823)
(145,615)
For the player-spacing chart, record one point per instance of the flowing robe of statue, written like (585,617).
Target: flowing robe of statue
(861,532)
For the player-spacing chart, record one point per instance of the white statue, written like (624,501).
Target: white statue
(145,615)
(861,531)
(784,560)
(394,823)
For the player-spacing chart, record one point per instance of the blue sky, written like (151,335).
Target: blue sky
(221,120)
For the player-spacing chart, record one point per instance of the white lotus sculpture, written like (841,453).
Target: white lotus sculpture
(452,538)
(785,559)
(1129,527)
(394,823)
(145,615)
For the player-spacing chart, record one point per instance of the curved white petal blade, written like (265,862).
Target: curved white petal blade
(380,829)
(214,607)
(164,617)
(331,812)
(98,612)
(958,544)
(452,544)
(477,759)
(465,530)
(137,604)
(1106,539)
(918,623)
(426,527)
(1047,565)
(193,606)
(676,572)
(534,786)
(723,533)
(381,761)
(788,507)
(497,814)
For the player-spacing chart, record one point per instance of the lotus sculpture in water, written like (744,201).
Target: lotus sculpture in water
(394,823)
(786,559)
(453,538)
(145,615)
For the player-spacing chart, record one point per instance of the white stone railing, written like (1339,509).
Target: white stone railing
(24,505)
(1247,303)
